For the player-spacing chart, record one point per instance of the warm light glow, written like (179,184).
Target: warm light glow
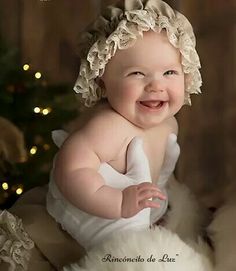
(46,111)
(37,110)
(33,150)
(38,75)
(19,191)
(46,147)
(26,67)
(23,158)
(5,186)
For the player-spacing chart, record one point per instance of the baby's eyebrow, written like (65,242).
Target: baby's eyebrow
(173,66)
(130,66)
(135,64)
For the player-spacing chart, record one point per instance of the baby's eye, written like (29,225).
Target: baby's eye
(170,72)
(136,73)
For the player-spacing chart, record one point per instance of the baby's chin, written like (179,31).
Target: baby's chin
(146,126)
(138,120)
(142,124)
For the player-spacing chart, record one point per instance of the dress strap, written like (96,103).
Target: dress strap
(59,136)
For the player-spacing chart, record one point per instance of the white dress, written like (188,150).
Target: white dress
(90,230)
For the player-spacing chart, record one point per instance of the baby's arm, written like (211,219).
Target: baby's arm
(76,173)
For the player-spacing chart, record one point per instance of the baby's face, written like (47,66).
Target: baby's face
(145,83)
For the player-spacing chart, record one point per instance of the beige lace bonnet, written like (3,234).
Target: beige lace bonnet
(118,27)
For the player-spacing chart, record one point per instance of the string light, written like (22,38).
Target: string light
(26,67)
(19,191)
(46,147)
(5,186)
(46,111)
(33,150)
(38,75)
(43,111)
(37,110)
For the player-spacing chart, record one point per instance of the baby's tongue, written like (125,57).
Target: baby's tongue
(151,104)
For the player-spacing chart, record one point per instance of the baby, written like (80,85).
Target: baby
(139,66)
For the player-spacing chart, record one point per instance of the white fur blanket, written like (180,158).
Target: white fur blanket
(159,249)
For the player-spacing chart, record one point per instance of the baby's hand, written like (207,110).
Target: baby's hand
(138,197)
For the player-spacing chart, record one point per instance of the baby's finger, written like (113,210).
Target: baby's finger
(147,186)
(148,204)
(160,196)
(148,194)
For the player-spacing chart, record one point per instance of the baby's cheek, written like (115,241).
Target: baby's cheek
(176,95)
(130,92)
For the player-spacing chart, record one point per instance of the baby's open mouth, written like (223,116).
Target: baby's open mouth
(152,104)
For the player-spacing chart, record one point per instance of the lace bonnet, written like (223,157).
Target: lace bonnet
(119,27)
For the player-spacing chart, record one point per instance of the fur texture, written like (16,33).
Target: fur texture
(186,217)
(188,253)
(222,232)
(159,243)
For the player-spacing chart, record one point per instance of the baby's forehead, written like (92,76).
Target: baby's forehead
(152,47)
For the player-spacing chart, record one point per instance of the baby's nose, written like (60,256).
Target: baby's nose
(155,85)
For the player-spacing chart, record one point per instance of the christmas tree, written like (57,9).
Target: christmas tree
(36,108)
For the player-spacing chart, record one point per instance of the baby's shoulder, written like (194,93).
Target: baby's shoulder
(104,134)
(105,129)
(108,121)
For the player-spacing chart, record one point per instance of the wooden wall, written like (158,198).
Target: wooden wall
(46,31)
(207,129)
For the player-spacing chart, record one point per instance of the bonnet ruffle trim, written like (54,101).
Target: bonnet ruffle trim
(15,244)
(125,28)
